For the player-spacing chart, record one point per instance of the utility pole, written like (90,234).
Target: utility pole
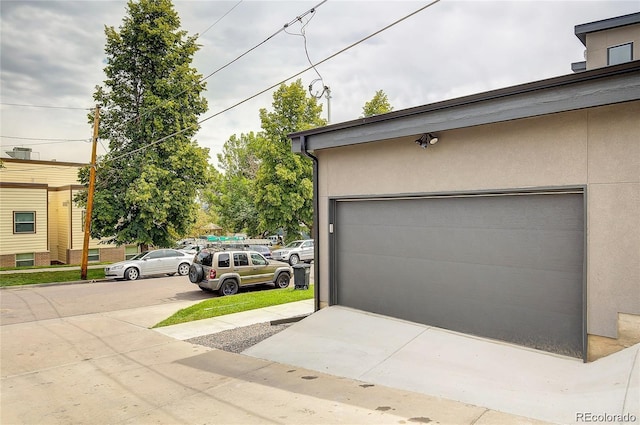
(92,186)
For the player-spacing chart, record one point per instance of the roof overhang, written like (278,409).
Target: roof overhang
(605,24)
(598,87)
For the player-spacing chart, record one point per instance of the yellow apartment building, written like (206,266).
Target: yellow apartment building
(39,222)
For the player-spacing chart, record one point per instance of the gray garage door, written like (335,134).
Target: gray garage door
(503,267)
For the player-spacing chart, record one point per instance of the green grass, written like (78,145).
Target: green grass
(236,303)
(16,279)
(52,266)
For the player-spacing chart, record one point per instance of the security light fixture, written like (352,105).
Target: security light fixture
(427,139)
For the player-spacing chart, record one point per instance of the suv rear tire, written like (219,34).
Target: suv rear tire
(228,287)
(195,273)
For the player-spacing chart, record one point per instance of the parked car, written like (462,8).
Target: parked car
(227,271)
(264,250)
(147,263)
(294,252)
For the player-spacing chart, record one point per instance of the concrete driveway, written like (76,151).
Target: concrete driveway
(499,376)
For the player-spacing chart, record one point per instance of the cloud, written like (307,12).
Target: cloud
(52,53)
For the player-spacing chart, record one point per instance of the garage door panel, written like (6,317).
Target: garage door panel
(543,249)
(502,267)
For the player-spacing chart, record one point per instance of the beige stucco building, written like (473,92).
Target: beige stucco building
(39,222)
(520,223)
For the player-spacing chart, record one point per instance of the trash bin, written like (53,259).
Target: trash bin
(301,273)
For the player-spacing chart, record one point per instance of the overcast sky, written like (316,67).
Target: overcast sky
(52,54)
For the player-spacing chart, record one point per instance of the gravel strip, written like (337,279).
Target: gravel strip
(239,339)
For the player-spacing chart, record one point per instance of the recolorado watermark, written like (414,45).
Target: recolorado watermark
(605,417)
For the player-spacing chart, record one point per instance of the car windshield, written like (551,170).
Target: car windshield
(294,244)
(139,256)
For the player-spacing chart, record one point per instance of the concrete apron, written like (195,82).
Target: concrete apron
(500,376)
(110,369)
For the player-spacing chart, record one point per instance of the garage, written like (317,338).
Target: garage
(507,266)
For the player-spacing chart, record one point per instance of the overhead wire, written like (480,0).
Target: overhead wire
(43,139)
(44,106)
(149,111)
(283,81)
(220,18)
(306,51)
(90,109)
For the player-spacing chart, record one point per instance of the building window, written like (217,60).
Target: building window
(24,222)
(25,260)
(94,254)
(620,54)
(130,252)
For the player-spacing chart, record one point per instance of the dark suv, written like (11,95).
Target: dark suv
(227,271)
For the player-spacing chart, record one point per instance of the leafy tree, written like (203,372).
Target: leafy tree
(234,197)
(284,185)
(146,186)
(204,217)
(379,104)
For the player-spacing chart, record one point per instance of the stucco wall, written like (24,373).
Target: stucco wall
(599,148)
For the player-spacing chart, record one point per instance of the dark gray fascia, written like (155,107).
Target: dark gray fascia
(606,24)
(597,87)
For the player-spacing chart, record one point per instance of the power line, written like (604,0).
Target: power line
(286,25)
(43,139)
(219,19)
(281,82)
(44,106)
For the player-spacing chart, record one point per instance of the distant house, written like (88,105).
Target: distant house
(512,214)
(39,222)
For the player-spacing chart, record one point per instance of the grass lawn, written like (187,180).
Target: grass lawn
(16,279)
(220,306)
(52,266)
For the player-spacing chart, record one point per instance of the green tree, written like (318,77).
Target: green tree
(147,185)
(284,185)
(379,104)
(204,217)
(233,198)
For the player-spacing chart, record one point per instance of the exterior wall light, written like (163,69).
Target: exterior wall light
(427,139)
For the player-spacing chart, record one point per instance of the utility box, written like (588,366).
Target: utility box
(301,273)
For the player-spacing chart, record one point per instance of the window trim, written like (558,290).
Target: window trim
(15,232)
(609,49)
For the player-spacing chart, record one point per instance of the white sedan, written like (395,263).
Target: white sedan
(159,261)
